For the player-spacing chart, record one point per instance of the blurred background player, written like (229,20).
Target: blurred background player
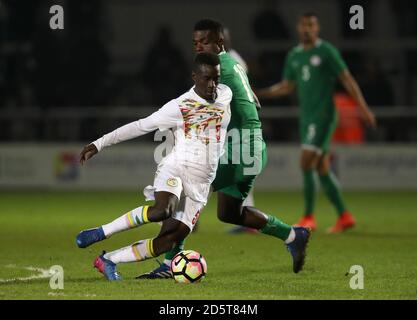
(204,110)
(312,68)
(233,181)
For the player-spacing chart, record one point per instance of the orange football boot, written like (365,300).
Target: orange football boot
(344,222)
(308,222)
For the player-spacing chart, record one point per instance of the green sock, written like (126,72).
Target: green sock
(332,190)
(178,247)
(309,192)
(276,228)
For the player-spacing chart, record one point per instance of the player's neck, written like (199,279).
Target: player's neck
(310,44)
(210,100)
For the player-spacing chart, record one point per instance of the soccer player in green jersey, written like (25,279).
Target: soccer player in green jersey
(312,68)
(245,155)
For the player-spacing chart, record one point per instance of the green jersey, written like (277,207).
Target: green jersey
(315,72)
(237,179)
(243,106)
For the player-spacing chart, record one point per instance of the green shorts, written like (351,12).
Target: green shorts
(316,135)
(236,173)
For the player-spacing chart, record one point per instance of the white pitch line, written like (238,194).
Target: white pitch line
(42,274)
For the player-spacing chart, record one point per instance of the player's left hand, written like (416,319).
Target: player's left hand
(87,152)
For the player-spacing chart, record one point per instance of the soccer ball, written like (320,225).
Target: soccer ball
(188,267)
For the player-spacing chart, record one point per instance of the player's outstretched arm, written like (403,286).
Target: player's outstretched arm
(353,89)
(88,151)
(169,116)
(126,132)
(279,89)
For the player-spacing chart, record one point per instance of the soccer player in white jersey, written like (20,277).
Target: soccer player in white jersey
(199,120)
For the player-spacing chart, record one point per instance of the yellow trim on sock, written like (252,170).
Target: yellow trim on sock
(145,214)
(129,217)
(148,246)
(136,252)
(150,242)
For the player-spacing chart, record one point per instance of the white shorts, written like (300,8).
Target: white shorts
(175,179)
(191,213)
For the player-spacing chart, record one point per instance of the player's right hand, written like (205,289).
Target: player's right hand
(370,119)
(87,152)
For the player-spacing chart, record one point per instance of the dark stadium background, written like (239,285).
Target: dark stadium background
(118,60)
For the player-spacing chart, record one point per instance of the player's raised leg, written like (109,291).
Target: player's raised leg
(163,271)
(164,268)
(332,190)
(188,217)
(165,204)
(230,210)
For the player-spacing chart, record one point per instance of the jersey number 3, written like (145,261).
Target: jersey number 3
(305,73)
(239,70)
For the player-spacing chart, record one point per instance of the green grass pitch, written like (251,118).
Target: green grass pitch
(38,229)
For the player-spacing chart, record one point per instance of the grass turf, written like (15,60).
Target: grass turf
(38,229)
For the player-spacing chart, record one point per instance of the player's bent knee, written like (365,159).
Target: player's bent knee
(159,213)
(323,167)
(168,212)
(223,216)
(322,171)
(309,164)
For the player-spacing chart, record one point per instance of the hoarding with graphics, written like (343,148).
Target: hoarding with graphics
(133,166)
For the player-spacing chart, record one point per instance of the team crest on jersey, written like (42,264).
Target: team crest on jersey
(315,60)
(172,182)
(198,116)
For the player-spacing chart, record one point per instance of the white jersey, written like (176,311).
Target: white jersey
(199,128)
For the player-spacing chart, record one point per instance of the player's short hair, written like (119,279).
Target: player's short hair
(205,58)
(309,14)
(209,25)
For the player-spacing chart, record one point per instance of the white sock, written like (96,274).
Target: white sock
(138,251)
(291,236)
(132,219)
(125,254)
